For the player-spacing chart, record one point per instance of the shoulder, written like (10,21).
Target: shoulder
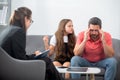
(53,40)
(9,31)
(107,34)
(53,36)
(15,31)
(81,34)
(12,29)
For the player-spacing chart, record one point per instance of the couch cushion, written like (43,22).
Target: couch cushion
(33,43)
(116,46)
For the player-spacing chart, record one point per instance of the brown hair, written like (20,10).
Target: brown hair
(60,47)
(18,17)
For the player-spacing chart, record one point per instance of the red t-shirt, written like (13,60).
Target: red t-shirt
(93,51)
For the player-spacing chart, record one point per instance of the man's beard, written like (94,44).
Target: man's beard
(94,37)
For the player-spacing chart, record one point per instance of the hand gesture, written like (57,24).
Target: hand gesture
(102,34)
(46,39)
(86,34)
(37,53)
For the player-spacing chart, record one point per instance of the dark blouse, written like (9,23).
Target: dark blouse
(13,41)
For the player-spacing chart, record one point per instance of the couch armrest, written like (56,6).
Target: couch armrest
(116,46)
(14,69)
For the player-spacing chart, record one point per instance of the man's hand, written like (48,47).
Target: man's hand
(102,35)
(86,34)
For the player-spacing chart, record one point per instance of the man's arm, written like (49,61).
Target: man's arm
(108,50)
(79,48)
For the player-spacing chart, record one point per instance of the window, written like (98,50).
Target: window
(4,12)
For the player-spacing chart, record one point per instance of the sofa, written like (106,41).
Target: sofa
(35,42)
(14,69)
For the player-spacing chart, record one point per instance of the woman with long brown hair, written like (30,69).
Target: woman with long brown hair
(62,44)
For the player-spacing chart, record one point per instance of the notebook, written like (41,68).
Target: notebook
(77,69)
(62,67)
(43,54)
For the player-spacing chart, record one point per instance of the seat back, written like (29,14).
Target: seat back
(116,46)
(14,69)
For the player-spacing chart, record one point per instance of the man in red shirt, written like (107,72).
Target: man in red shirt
(94,49)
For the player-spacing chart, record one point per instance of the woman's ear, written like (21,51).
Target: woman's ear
(27,23)
(26,19)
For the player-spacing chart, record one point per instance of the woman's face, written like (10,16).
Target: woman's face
(69,27)
(28,22)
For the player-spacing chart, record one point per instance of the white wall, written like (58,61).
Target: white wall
(48,13)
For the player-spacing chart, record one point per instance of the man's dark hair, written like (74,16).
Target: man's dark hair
(95,21)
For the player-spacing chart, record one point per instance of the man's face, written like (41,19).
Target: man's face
(94,32)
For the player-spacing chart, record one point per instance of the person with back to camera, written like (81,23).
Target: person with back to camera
(94,49)
(14,42)
(62,43)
